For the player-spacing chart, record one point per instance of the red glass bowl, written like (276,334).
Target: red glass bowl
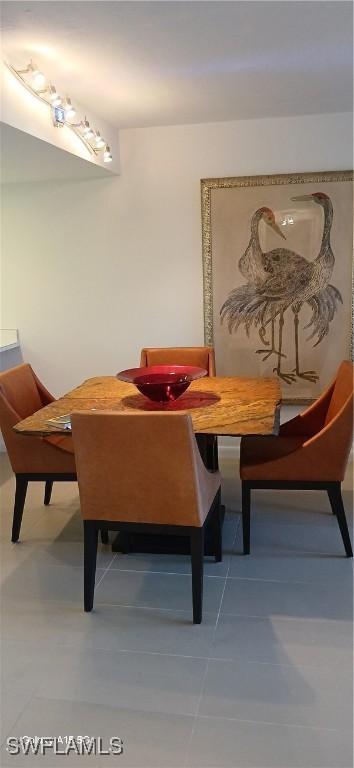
(162,383)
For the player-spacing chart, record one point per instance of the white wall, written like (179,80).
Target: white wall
(93,270)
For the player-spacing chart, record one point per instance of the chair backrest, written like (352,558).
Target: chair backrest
(20,396)
(18,386)
(203,357)
(336,437)
(342,391)
(138,467)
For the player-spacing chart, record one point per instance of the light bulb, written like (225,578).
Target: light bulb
(69,109)
(99,142)
(38,78)
(107,156)
(87,130)
(54,97)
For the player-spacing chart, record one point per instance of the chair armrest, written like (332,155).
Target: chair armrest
(329,449)
(312,420)
(321,457)
(207,482)
(45,395)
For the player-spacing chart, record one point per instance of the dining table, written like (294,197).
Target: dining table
(218,406)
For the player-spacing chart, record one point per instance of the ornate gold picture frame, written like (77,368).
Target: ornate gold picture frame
(278,277)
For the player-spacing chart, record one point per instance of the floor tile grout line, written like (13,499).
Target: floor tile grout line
(299,553)
(222,659)
(127,606)
(148,607)
(13,726)
(283,581)
(72,646)
(187,754)
(180,573)
(97,584)
(204,717)
(274,723)
(226,578)
(260,617)
(256,617)
(226,659)
(279,617)
(165,573)
(30,526)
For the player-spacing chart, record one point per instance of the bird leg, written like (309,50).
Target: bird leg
(268,352)
(261,333)
(308,375)
(289,378)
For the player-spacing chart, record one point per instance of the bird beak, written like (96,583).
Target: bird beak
(278,230)
(302,198)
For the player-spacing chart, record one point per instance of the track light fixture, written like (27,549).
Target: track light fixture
(62,109)
(53,95)
(107,155)
(69,109)
(87,131)
(37,77)
(99,142)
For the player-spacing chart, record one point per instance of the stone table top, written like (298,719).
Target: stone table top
(218,405)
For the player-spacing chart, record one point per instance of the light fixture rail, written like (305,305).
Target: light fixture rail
(61,108)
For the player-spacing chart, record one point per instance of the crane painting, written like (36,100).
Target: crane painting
(278,285)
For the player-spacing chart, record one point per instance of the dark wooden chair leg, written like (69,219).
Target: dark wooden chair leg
(90,557)
(197,554)
(246,516)
(20,498)
(217,529)
(104,536)
(335,497)
(48,492)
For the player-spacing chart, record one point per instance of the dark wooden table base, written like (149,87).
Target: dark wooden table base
(160,544)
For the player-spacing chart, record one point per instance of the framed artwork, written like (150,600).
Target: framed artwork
(278,277)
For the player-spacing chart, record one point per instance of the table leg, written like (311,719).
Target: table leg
(208,448)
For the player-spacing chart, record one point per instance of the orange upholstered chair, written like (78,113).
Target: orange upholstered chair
(31,458)
(202,357)
(150,478)
(311,453)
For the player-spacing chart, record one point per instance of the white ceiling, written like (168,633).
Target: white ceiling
(25,158)
(161,63)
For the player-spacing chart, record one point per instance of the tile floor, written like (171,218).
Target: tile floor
(264,682)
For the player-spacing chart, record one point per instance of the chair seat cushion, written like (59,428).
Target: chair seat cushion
(270,457)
